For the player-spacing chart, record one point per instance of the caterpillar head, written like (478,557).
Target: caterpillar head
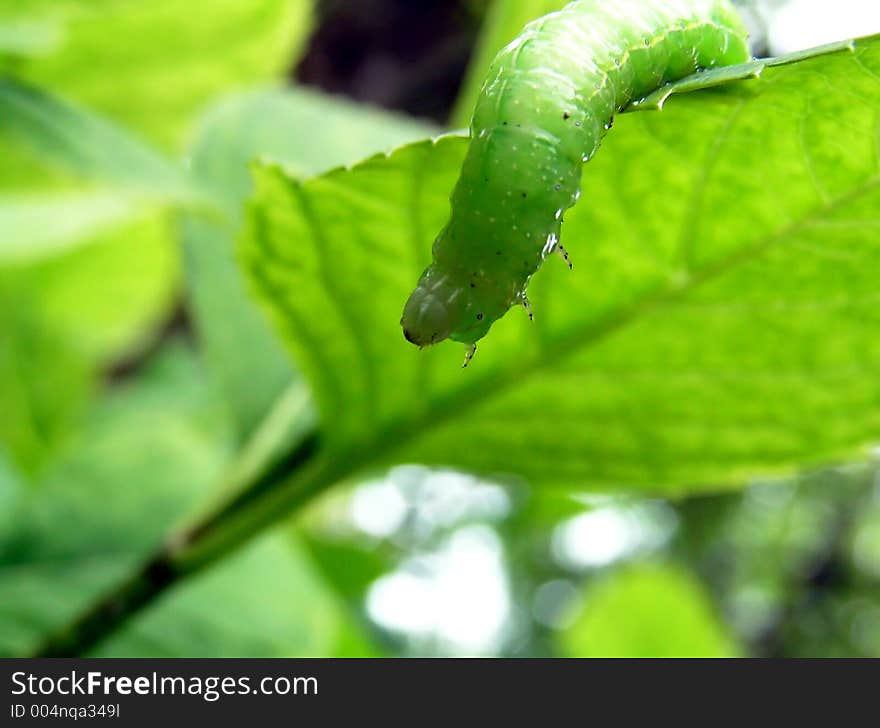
(449,305)
(433,309)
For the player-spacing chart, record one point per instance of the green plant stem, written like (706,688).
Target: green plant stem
(272,478)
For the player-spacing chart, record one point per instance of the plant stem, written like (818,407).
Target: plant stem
(264,485)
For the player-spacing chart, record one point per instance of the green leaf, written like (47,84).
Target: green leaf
(721,320)
(85,145)
(266,600)
(148,456)
(142,460)
(65,315)
(11,490)
(153,66)
(504,22)
(646,611)
(28,38)
(93,268)
(310,133)
(726,74)
(107,293)
(38,412)
(99,257)
(37,226)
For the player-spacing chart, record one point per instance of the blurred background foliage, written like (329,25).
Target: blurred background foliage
(135,364)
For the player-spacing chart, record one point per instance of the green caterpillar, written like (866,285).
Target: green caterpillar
(550,97)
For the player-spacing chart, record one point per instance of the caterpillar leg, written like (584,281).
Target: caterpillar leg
(469,354)
(564,253)
(524,302)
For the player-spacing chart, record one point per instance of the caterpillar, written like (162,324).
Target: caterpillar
(548,100)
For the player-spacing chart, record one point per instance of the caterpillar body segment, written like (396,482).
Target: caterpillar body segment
(547,102)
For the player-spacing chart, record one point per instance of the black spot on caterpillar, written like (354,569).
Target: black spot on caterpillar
(583,63)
